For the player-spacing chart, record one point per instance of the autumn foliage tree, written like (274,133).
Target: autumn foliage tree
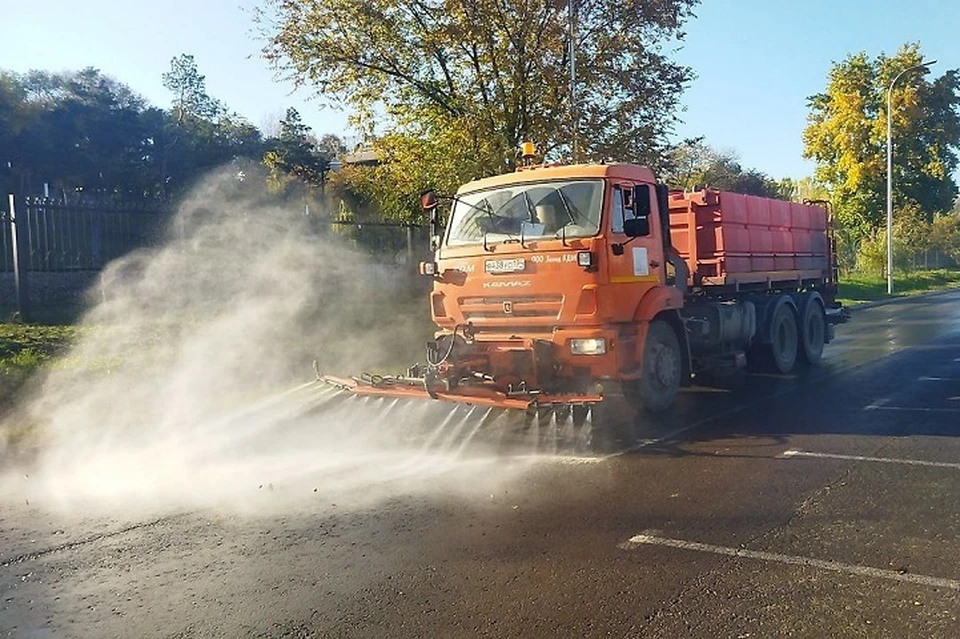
(482,76)
(846,136)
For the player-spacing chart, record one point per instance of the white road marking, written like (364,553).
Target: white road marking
(939,379)
(643,443)
(877,404)
(923,409)
(886,460)
(893,348)
(835,566)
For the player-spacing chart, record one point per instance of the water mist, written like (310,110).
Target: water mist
(190,384)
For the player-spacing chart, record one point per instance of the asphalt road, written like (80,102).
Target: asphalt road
(821,504)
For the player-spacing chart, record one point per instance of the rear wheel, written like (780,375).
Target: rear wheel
(656,388)
(813,330)
(783,334)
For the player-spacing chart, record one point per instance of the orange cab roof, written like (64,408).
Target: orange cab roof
(632,172)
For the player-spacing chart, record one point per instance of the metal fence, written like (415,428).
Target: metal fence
(53,236)
(42,238)
(385,242)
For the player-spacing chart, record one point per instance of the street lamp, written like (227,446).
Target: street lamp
(572,52)
(922,65)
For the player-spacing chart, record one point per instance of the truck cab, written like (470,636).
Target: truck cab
(547,279)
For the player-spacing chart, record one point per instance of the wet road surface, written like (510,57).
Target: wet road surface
(824,503)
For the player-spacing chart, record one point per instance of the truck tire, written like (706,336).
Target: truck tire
(784,342)
(813,330)
(659,381)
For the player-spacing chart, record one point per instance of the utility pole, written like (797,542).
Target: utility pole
(572,53)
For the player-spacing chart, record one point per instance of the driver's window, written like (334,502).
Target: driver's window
(621,207)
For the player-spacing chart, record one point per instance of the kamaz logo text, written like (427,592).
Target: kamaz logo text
(508,284)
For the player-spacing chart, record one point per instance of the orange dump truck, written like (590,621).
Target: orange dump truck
(555,285)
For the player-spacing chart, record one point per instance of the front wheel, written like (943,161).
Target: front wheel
(656,388)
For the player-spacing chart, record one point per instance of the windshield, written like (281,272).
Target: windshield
(527,211)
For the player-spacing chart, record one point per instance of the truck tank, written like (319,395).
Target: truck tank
(729,239)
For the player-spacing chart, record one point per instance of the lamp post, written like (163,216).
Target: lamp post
(922,65)
(572,53)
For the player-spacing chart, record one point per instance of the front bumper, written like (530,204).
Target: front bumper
(549,361)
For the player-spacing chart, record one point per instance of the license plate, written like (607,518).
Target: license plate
(514,265)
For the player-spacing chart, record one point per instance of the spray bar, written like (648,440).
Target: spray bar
(469,395)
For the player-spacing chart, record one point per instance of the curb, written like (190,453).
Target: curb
(904,298)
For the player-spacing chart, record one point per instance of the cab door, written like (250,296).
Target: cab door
(634,263)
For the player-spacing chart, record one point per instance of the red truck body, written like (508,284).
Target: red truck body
(729,238)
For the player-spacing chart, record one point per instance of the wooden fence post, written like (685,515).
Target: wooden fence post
(19,263)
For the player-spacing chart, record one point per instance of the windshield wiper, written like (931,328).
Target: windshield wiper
(531,212)
(566,207)
(485,209)
(532,215)
(562,232)
(510,236)
(490,215)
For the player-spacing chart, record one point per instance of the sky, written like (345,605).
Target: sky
(756,61)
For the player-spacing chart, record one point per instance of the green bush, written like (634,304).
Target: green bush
(918,244)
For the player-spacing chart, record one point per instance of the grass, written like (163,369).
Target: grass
(24,349)
(857,288)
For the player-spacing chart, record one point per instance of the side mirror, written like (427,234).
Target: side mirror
(636,227)
(428,200)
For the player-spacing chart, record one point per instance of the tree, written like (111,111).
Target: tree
(809,189)
(85,132)
(846,136)
(189,88)
(911,237)
(694,164)
(945,236)
(202,133)
(494,72)
(15,115)
(77,131)
(296,153)
(407,166)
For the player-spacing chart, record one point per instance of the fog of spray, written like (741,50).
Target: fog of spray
(189,385)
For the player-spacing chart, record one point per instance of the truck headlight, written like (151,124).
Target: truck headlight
(590,346)
(428,268)
(585,259)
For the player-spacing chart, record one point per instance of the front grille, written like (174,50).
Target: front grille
(545,307)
